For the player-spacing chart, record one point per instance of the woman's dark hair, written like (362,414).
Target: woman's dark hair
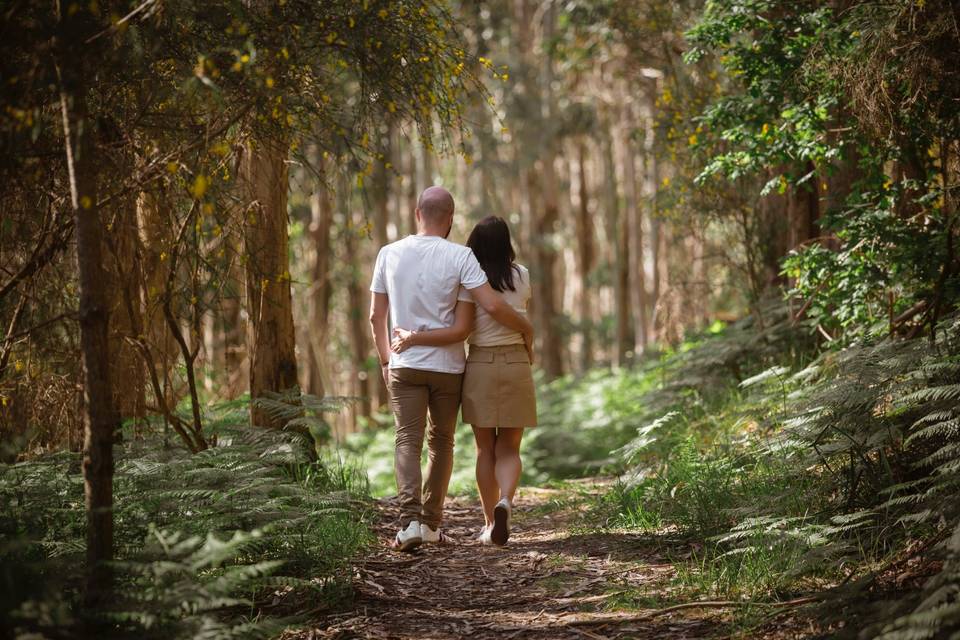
(490,242)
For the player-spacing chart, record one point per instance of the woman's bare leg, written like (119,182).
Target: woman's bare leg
(508,465)
(486,477)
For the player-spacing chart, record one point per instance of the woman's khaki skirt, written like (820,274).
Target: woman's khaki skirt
(498,388)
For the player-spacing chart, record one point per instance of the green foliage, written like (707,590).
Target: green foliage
(846,460)
(796,73)
(202,540)
(584,420)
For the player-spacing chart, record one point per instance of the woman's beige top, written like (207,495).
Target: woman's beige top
(487,332)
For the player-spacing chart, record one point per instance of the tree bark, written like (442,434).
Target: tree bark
(155,239)
(124,280)
(620,237)
(318,303)
(585,259)
(270,330)
(357,306)
(101,419)
(638,281)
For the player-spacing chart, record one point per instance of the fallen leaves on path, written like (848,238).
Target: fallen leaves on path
(548,582)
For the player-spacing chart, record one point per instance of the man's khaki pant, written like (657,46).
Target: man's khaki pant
(412,393)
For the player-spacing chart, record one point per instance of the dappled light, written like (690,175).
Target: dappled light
(488,319)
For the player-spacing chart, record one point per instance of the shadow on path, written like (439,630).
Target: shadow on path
(546,583)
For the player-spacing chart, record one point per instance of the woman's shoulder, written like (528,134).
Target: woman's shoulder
(524,276)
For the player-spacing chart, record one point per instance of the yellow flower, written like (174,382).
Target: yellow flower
(85,202)
(200,184)
(692,139)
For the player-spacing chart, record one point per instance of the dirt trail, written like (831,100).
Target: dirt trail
(550,581)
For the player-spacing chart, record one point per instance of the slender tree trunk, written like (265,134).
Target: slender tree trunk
(101,419)
(155,241)
(321,224)
(637,283)
(233,337)
(124,281)
(585,258)
(413,189)
(358,305)
(620,237)
(270,330)
(381,216)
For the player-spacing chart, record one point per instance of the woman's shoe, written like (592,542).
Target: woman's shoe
(500,531)
(484,536)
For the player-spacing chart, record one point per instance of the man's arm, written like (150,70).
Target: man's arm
(379,306)
(464,314)
(500,310)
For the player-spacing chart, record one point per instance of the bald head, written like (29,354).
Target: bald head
(435,206)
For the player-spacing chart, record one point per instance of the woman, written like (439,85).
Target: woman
(498,393)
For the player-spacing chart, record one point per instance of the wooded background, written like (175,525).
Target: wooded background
(193,195)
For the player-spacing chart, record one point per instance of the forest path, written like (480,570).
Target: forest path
(555,579)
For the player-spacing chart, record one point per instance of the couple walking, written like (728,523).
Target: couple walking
(435,294)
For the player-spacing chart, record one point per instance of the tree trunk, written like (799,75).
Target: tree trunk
(544,287)
(270,330)
(318,304)
(155,240)
(620,237)
(358,305)
(101,419)
(585,258)
(381,216)
(638,281)
(123,283)
(413,189)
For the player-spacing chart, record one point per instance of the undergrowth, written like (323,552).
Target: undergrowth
(795,472)
(239,540)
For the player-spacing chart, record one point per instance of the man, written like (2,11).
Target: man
(417,281)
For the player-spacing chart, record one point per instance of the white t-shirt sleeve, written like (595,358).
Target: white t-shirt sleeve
(379,282)
(464,296)
(525,285)
(471,274)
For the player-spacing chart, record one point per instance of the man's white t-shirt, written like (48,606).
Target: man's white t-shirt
(487,332)
(422,276)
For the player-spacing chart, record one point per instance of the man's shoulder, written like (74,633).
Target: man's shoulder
(458,249)
(395,245)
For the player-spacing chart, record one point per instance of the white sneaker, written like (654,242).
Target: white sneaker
(484,537)
(409,538)
(500,531)
(431,535)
